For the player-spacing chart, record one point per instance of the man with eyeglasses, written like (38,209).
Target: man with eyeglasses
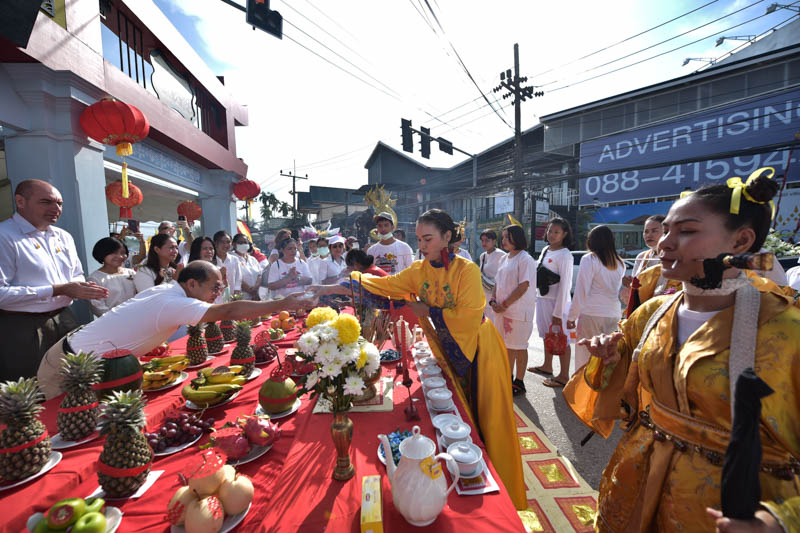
(152,316)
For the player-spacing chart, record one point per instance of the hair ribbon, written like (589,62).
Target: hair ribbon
(740,189)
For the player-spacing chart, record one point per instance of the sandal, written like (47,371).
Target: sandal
(553,383)
(517,387)
(539,370)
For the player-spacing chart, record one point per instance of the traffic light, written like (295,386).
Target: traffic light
(425,142)
(445,146)
(408,140)
(260,16)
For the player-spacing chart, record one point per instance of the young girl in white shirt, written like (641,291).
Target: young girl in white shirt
(160,266)
(112,275)
(513,300)
(288,274)
(489,262)
(595,305)
(553,305)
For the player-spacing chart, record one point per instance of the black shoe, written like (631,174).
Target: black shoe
(518,387)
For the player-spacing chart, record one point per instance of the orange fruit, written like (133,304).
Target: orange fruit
(291,322)
(275,324)
(283,315)
(285,324)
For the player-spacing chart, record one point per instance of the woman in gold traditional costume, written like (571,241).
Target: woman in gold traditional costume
(445,292)
(665,474)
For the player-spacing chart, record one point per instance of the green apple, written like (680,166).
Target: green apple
(95,505)
(65,513)
(93,522)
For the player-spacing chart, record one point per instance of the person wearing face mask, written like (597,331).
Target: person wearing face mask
(317,264)
(251,270)
(112,275)
(335,266)
(445,293)
(390,255)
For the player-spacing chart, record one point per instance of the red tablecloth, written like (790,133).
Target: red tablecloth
(294,489)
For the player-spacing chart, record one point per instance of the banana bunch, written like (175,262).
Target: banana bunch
(218,375)
(208,395)
(160,372)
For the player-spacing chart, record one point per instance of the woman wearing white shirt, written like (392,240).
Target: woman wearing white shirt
(112,275)
(335,264)
(160,264)
(553,305)
(514,301)
(288,274)
(317,264)
(489,262)
(228,261)
(251,270)
(595,305)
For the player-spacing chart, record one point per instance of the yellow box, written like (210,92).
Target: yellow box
(371,505)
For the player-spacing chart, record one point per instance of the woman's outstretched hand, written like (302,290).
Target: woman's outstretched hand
(604,346)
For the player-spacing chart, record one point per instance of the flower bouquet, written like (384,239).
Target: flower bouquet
(342,359)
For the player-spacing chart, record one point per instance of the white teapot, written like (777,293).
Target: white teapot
(419,489)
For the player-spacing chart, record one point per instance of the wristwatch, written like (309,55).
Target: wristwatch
(492,301)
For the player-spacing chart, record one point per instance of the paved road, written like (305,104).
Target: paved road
(548,410)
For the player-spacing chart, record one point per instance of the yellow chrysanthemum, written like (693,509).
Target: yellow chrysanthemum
(348,327)
(320,315)
(362,359)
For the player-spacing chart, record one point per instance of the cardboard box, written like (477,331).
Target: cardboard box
(371,505)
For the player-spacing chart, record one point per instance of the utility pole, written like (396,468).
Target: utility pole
(512,82)
(295,177)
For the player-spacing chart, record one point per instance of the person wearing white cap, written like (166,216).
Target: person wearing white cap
(390,254)
(335,263)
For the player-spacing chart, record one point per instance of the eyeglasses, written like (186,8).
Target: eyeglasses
(218,288)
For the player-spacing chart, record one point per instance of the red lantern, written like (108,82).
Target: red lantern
(246,190)
(190,210)
(114,195)
(110,121)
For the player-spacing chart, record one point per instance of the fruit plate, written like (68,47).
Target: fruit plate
(57,443)
(169,450)
(254,374)
(194,407)
(268,361)
(204,363)
(215,354)
(183,377)
(55,458)
(113,519)
(278,338)
(228,524)
(255,453)
(294,408)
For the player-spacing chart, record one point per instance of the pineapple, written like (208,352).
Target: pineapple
(196,349)
(214,338)
(243,351)
(228,333)
(79,372)
(126,446)
(20,402)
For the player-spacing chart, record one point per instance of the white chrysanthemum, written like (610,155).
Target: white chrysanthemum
(308,343)
(330,370)
(372,350)
(373,358)
(353,385)
(327,352)
(329,334)
(311,379)
(351,351)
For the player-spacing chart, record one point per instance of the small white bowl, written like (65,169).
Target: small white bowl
(468,456)
(425,362)
(431,370)
(440,398)
(456,431)
(435,382)
(439,421)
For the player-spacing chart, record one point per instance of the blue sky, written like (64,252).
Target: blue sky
(304,110)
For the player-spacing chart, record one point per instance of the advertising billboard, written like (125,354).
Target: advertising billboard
(745,125)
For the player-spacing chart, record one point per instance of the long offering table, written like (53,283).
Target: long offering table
(294,489)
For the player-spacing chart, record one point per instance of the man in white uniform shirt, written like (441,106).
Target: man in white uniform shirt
(40,275)
(390,254)
(152,316)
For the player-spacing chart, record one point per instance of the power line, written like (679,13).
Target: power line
(657,55)
(624,40)
(659,43)
(332,36)
(329,18)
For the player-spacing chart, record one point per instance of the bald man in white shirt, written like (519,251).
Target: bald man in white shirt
(40,275)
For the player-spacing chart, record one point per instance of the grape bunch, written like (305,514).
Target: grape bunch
(177,431)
